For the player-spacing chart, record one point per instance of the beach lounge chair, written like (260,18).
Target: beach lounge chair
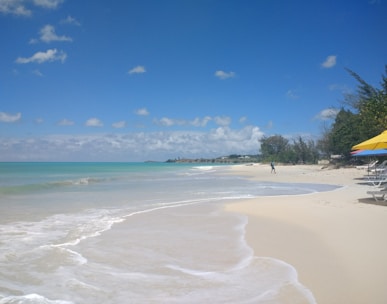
(377,180)
(380,168)
(379,195)
(369,166)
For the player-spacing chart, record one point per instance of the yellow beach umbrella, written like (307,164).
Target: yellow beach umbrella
(374,143)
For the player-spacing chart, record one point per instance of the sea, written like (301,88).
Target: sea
(135,233)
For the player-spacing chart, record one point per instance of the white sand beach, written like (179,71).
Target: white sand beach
(336,240)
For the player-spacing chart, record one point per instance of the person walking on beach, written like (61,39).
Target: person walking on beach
(272,167)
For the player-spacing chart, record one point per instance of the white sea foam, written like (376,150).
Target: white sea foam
(79,259)
(76,181)
(192,272)
(204,168)
(74,283)
(200,171)
(31,299)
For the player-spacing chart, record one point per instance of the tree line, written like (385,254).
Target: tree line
(363,115)
(279,149)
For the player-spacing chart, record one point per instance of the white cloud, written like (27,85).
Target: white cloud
(93,122)
(168,122)
(329,62)
(222,120)
(200,122)
(70,20)
(47,34)
(142,112)
(196,122)
(66,122)
(119,124)
(40,57)
(292,94)
(51,4)
(37,73)
(327,114)
(137,70)
(243,119)
(33,41)
(6,117)
(18,7)
(224,75)
(132,146)
(15,7)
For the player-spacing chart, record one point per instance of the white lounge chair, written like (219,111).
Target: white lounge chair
(379,195)
(369,166)
(377,180)
(380,168)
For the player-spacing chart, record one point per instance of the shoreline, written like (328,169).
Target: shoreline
(334,239)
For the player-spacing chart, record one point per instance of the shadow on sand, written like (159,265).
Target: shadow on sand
(371,201)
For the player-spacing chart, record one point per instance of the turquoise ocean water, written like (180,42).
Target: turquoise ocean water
(134,233)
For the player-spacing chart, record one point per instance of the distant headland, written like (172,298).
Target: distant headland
(234,159)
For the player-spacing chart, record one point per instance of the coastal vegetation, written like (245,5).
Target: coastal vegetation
(362,116)
(279,149)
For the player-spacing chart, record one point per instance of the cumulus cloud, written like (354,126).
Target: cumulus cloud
(41,57)
(19,7)
(93,122)
(70,20)
(15,7)
(6,117)
(119,124)
(137,70)
(132,146)
(224,75)
(196,122)
(222,120)
(142,112)
(329,62)
(168,122)
(327,114)
(47,34)
(200,122)
(51,4)
(66,122)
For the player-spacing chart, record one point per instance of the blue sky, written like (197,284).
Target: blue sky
(156,79)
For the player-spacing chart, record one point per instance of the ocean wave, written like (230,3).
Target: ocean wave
(200,170)
(35,241)
(47,186)
(76,182)
(203,168)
